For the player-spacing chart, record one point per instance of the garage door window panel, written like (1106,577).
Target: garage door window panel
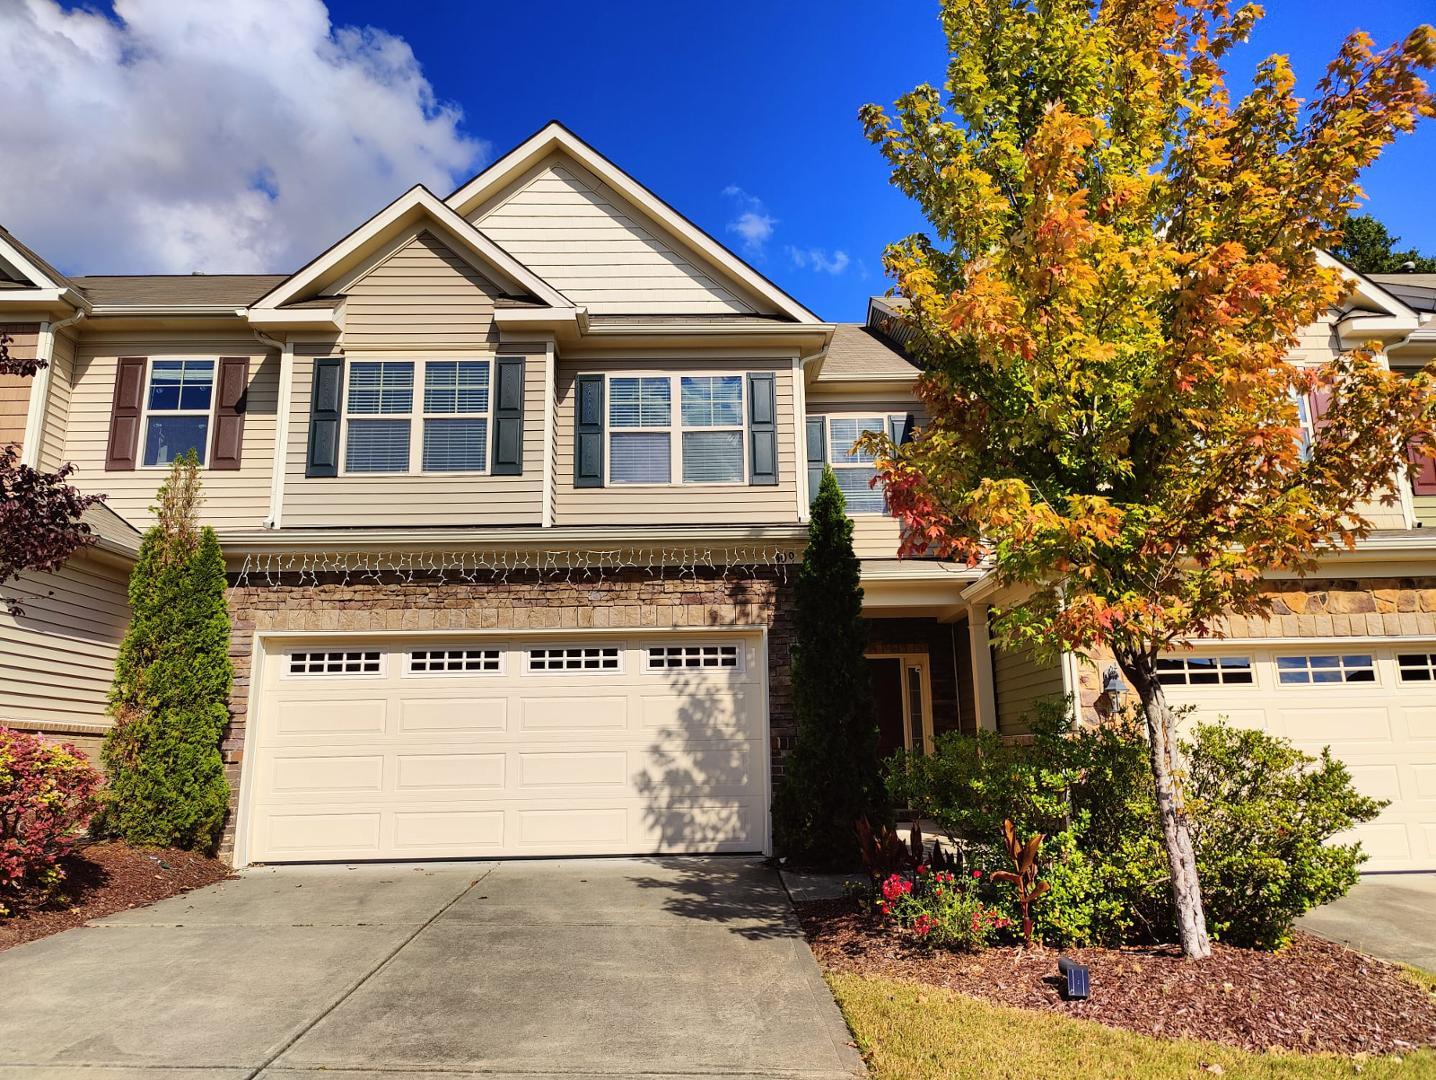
(1204,671)
(1325,670)
(697,657)
(571,659)
(476,661)
(336,662)
(1416,667)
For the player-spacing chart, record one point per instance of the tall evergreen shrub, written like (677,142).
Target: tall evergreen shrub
(832,777)
(166,783)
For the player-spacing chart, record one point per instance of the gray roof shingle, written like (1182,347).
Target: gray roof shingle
(858,352)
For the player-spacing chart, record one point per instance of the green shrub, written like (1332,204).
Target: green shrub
(935,908)
(1262,812)
(166,783)
(831,777)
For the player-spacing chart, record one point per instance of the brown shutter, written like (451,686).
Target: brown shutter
(229,412)
(1423,481)
(125,414)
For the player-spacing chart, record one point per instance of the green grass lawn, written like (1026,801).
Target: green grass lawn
(910,1032)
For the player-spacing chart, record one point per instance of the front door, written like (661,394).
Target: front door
(901,702)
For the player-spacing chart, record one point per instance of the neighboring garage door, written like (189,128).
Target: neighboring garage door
(417,747)
(1375,708)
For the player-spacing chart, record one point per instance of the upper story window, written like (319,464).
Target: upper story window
(384,432)
(640,420)
(703,446)
(178,405)
(854,468)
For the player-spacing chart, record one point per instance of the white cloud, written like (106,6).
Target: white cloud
(818,260)
(184,136)
(753,223)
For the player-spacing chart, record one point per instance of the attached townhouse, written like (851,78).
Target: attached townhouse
(512,484)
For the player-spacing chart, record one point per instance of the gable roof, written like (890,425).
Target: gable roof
(415,205)
(555,138)
(21,266)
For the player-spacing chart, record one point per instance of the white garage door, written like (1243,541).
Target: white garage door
(417,747)
(1375,708)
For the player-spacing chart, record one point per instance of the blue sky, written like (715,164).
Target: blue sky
(722,109)
(692,99)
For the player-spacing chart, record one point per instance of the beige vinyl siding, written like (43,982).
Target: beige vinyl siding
(14,404)
(591,245)
(418,499)
(1021,682)
(232,499)
(15,389)
(1319,344)
(674,504)
(1425,507)
(875,536)
(57,402)
(422,297)
(57,659)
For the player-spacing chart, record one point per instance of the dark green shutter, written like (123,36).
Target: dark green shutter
(762,429)
(817,454)
(324,412)
(588,431)
(900,428)
(508,458)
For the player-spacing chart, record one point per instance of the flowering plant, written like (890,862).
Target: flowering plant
(935,908)
(47,793)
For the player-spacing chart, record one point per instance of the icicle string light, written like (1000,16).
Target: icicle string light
(500,566)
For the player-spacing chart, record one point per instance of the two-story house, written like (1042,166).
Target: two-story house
(512,484)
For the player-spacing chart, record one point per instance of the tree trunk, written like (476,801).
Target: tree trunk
(1171,807)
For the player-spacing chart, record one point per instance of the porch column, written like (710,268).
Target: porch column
(984,693)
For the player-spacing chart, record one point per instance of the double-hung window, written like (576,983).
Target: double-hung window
(379,407)
(446,430)
(640,420)
(177,410)
(712,415)
(456,415)
(853,467)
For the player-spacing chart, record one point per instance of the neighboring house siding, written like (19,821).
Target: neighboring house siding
(57,658)
(1021,682)
(423,499)
(232,499)
(422,297)
(57,402)
(674,504)
(15,389)
(875,536)
(588,243)
(1319,344)
(1425,507)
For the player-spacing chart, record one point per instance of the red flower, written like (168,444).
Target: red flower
(896,886)
(976,874)
(922,869)
(923,925)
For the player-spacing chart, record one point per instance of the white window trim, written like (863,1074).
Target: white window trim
(568,673)
(1429,666)
(416,416)
(145,410)
(1248,666)
(737,668)
(828,418)
(287,671)
(501,670)
(1311,683)
(675,428)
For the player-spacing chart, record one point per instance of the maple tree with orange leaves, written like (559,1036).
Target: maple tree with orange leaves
(1122,257)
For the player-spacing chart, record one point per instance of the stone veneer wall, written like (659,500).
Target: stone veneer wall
(626,599)
(1318,608)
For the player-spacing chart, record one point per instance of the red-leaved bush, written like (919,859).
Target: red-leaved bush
(47,794)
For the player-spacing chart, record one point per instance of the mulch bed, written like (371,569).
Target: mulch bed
(105,877)
(1312,996)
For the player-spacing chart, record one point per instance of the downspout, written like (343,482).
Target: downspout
(38,405)
(800,433)
(281,425)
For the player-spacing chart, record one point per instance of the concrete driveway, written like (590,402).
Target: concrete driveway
(584,968)
(1391,916)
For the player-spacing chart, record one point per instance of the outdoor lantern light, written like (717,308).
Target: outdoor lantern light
(1113,686)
